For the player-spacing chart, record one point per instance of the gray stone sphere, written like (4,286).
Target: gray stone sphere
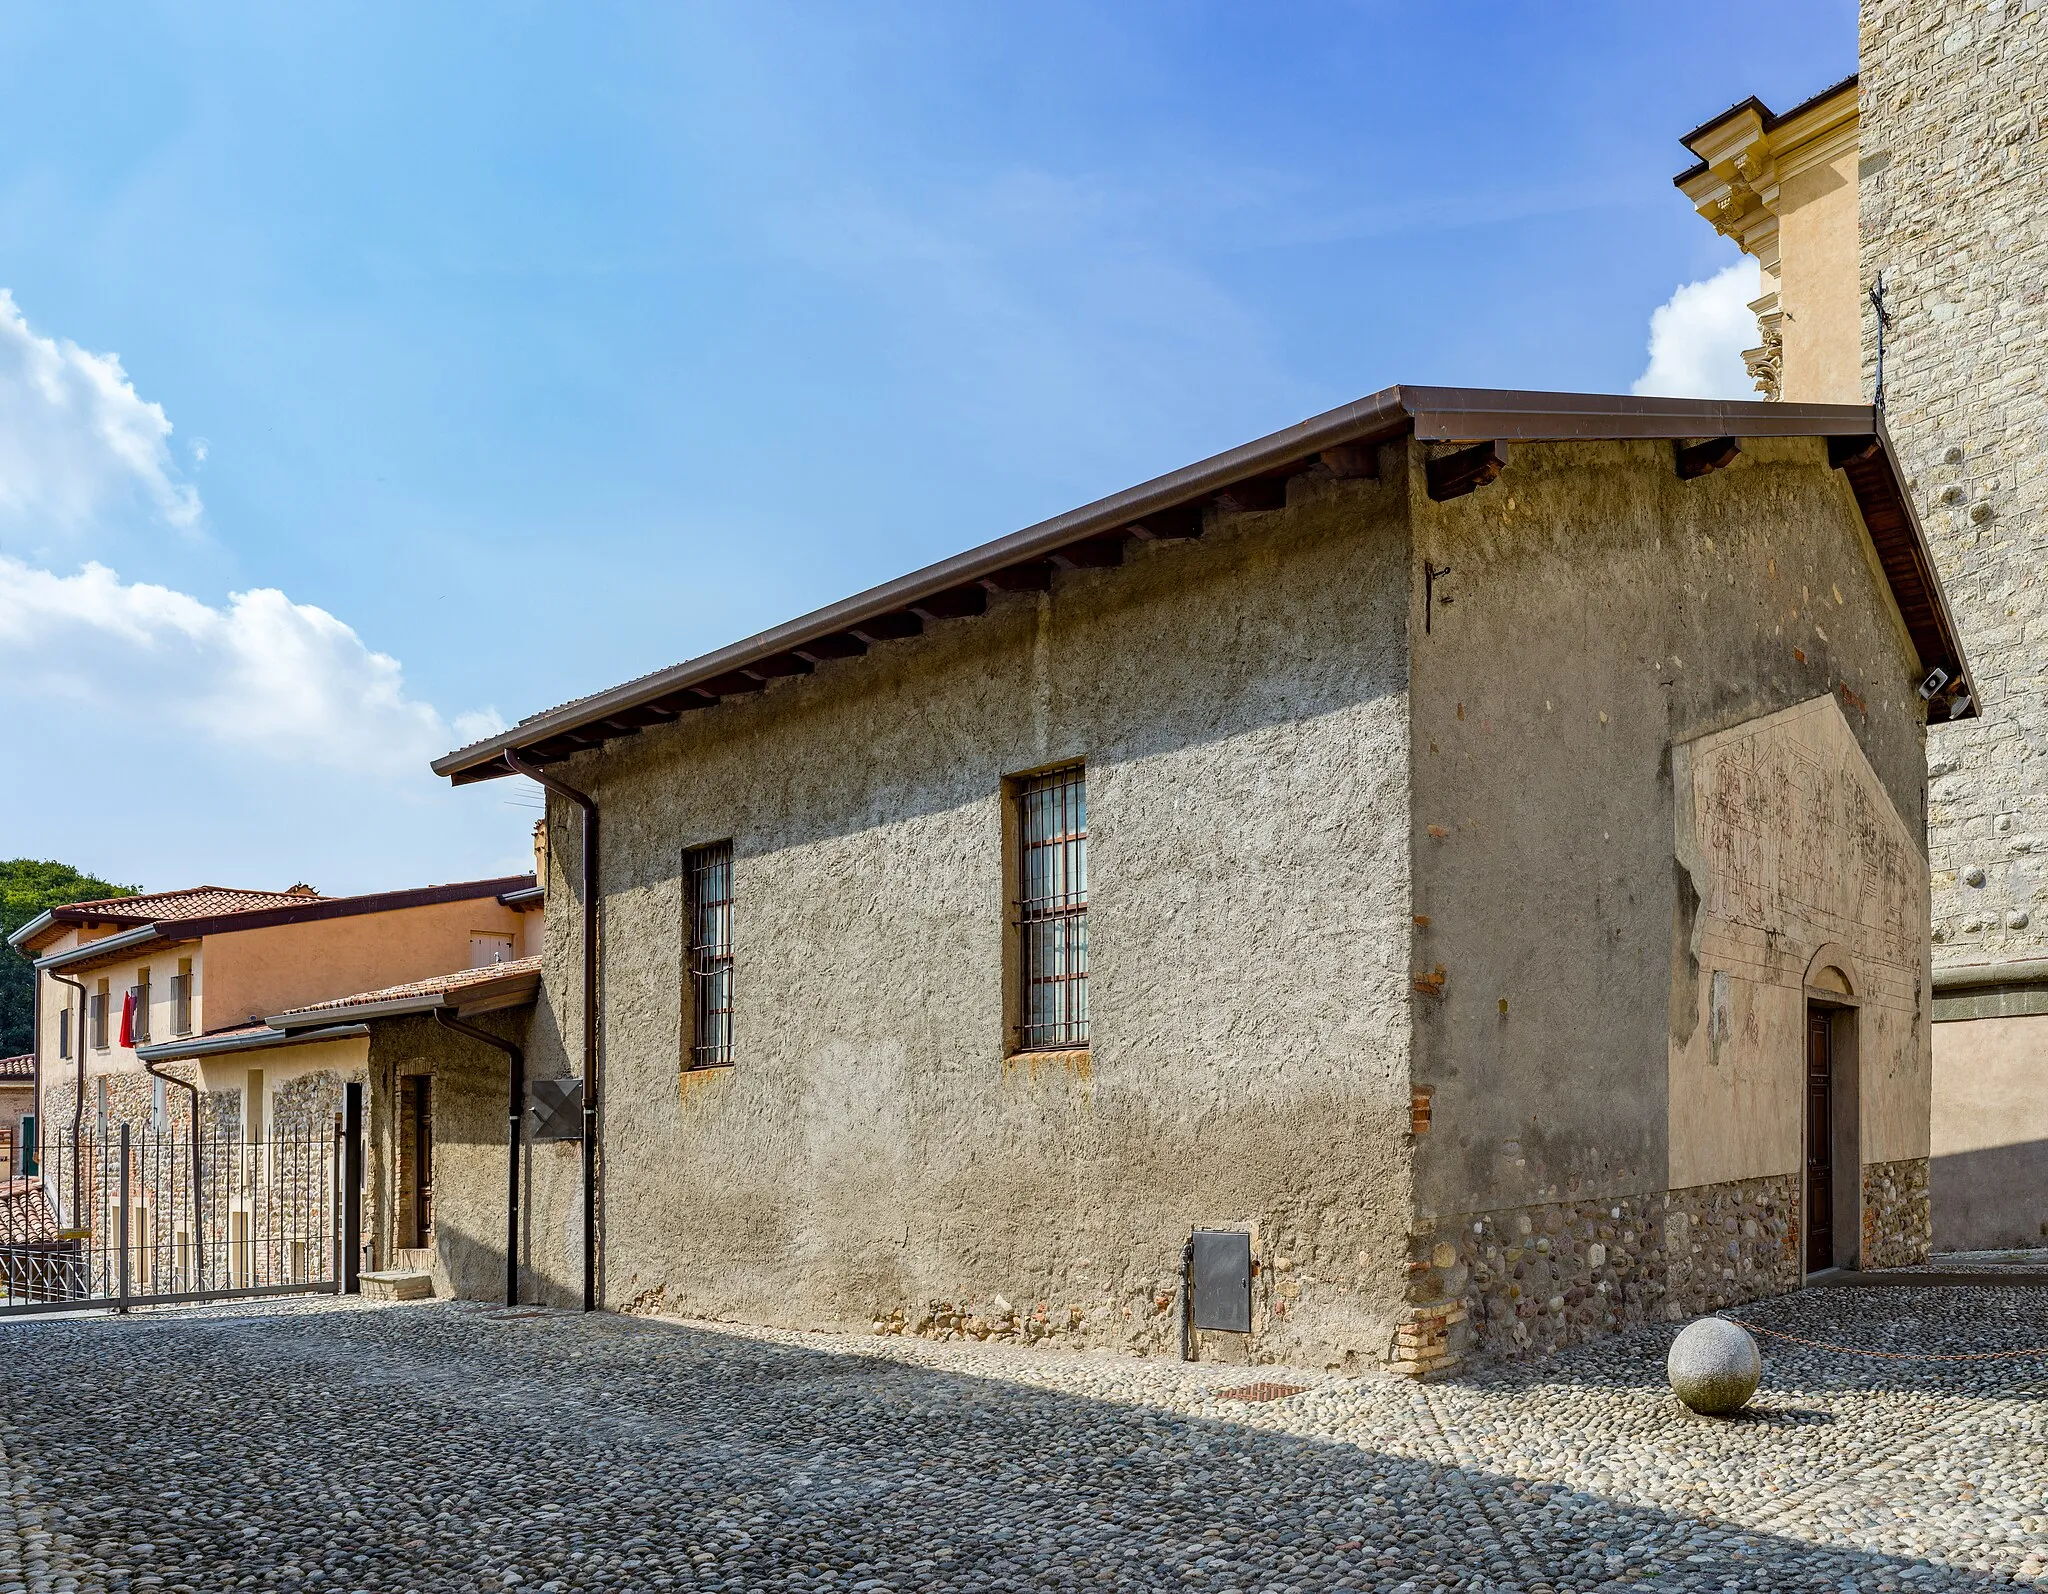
(1714,1366)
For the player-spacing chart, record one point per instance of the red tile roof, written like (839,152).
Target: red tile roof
(194,902)
(25,1215)
(22,1067)
(439,984)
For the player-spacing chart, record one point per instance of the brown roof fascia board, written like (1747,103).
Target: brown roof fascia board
(1432,414)
(1771,120)
(248,1040)
(1380,415)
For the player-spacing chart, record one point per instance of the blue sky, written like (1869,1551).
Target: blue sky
(471,358)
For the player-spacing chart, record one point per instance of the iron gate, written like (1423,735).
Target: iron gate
(126,1215)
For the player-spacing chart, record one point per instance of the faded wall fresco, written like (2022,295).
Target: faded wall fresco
(1797,860)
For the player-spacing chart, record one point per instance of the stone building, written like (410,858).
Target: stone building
(1932,162)
(1469,843)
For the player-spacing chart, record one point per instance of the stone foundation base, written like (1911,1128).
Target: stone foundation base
(1898,1225)
(1522,1281)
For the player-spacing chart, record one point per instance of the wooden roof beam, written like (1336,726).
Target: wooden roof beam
(1467,470)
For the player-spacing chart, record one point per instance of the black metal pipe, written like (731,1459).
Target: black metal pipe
(516,1109)
(198,1205)
(35,1020)
(351,1279)
(591,1071)
(77,1106)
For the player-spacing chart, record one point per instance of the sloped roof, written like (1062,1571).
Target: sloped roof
(438,985)
(202,910)
(1173,507)
(22,1067)
(193,902)
(25,1215)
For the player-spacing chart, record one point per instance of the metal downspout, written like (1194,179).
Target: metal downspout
(198,1205)
(592,1077)
(77,1106)
(35,1021)
(516,1110)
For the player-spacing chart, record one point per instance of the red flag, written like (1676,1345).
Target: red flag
(128,1019)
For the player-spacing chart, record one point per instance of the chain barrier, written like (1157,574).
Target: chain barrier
(1894,1355)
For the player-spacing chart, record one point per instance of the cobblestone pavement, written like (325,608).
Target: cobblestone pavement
(337,1446)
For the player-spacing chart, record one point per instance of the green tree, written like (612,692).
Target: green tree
(28,886)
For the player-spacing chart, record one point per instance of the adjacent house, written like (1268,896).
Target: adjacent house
(447,1185)
(176,1155)
(17,1113)
(1462,856)
(1900,237)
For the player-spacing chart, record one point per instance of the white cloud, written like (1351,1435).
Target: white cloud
(1697,337)
(75,439)
(264,677)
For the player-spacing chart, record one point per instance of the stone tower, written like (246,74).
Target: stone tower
(1954,202)
(1947,123)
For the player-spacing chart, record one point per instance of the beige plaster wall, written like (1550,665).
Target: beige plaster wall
(254,973)
(1602,613)
(1819,296)
(1239,702)
(161,958)
(1989,1179)
(1795,852)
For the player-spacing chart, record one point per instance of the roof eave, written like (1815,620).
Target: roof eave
(253,1041)
(1431,414)
(107,946)
(486,996)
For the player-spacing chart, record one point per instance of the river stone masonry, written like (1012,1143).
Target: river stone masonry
(1897,1215)
(1525,1281)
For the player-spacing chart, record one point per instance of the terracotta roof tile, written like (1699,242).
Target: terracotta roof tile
(22,1067)
(25,1215)
(436,985)
(194,902)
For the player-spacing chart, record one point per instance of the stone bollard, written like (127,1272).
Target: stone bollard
(1714,1366)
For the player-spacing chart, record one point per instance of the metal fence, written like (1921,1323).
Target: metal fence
(125,1215)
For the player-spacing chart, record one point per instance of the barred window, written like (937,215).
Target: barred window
(708,873)
(1052,911)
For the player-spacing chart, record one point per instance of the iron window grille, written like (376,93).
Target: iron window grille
(1052,911)
(709,874)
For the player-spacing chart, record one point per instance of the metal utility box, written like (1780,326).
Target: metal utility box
(1220,1280)
(557,1109)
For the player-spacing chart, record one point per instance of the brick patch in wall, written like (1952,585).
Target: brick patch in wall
(1898,1225)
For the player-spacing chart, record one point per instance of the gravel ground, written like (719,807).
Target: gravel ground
(337,1446)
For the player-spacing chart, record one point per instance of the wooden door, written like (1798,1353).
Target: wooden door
(1820,1144)
(423,1161)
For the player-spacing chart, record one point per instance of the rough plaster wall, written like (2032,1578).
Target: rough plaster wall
(1240,704)
(1601,610)
(1797,853)
(1953,195)
(470,1098)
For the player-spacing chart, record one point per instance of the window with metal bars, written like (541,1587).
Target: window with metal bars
(1052,911)
(708,874)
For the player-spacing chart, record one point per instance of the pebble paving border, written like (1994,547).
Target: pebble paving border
(332,1446)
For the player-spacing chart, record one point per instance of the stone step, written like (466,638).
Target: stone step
(396,1284)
